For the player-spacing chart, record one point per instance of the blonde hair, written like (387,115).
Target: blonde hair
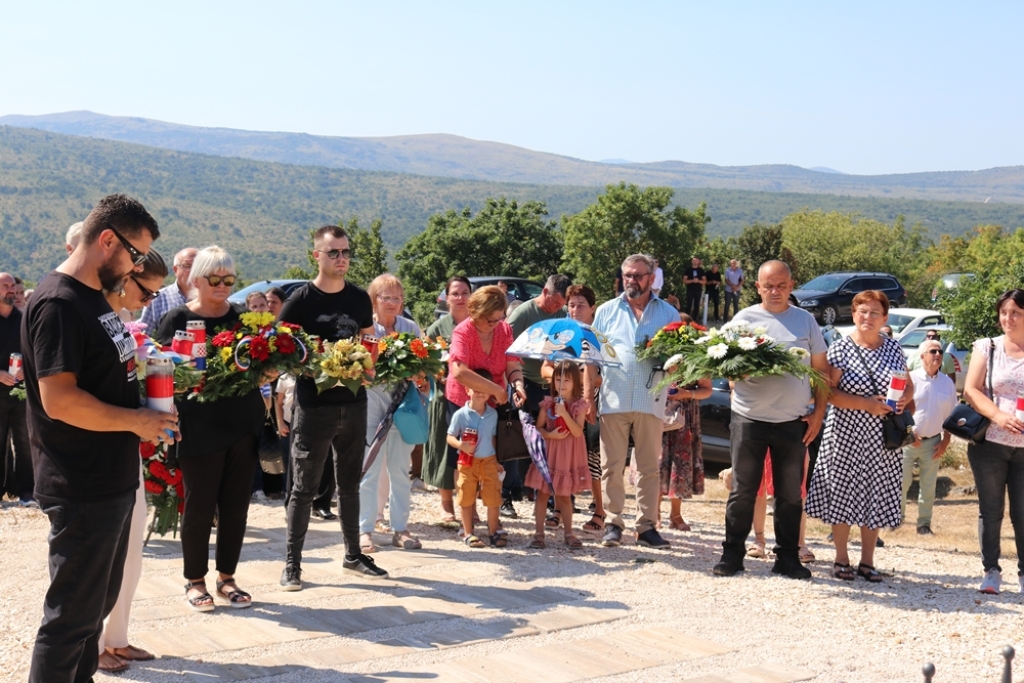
(381,283)
(208,261)
(485,301)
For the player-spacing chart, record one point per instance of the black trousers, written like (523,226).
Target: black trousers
(220,482)
(18,480)
(88,543)
(713,300)
(693,303)
(515,471)
(326,491)
(750,441)
(316,432)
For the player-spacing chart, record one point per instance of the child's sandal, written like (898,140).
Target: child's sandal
(538,541)
(473,541)
(499,539)
(573,543)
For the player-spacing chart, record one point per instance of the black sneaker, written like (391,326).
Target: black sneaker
(291,578)
(924,530)
(792,569)
(729,565)
(652,539)
(879,543)
(363,565)
(508,510)
(612,536)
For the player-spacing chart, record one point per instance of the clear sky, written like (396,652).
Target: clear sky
(862,87)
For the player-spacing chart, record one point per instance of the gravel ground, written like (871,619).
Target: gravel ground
(928,609)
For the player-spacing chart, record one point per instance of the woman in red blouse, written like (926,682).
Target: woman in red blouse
(479,343)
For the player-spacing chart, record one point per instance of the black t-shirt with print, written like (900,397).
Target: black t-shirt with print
(10,342)
(208,428)
(69,327)
(331,317)
(694,274)
(714,280)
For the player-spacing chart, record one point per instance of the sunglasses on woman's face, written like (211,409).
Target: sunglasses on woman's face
(217,280)
(147,294)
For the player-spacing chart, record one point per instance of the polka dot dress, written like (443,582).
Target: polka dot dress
(858,481)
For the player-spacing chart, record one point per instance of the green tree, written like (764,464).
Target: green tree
(628,220)
(503,238)
(310,271)
(756,244)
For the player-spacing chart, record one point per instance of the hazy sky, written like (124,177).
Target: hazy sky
(862,87)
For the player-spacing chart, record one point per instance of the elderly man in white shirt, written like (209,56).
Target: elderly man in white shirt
(934,400)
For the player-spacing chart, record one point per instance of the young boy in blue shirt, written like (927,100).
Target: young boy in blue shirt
(472,433)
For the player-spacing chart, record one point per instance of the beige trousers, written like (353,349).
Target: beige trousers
(647,431)
(115,627)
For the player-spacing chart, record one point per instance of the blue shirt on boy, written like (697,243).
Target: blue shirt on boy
(486,427)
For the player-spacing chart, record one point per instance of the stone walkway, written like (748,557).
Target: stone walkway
(437,617)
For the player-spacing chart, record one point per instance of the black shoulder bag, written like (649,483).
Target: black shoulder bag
(965,421)
(897,428)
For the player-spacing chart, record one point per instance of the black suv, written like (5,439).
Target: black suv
(829,297)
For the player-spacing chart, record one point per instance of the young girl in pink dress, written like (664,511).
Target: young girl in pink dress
(560,422)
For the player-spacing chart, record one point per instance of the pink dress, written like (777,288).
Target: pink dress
(466,348)
(567,458)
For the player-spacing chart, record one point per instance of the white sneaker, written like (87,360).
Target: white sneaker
(1020,578)
(418,485)
(990,584)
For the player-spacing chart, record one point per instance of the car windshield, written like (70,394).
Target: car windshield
(913,339)
(825,283)
(898,322)
(532,290)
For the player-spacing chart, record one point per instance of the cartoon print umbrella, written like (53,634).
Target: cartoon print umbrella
(564,339)
(535,444)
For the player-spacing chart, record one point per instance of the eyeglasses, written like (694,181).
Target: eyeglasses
(218,280)
(634,276)
(934,351)
(137,256)
(494,321)
(389,299)
(147,294)
(335,254)
(459,295)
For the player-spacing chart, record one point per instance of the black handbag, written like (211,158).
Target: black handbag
(509,441)
(271,458)
(897,428)
(965,421)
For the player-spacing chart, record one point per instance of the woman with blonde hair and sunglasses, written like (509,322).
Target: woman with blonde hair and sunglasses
(218,450)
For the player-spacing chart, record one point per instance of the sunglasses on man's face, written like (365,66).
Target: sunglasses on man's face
(217,280)
(335,254)
(147,294)
(934,352)
(137,256)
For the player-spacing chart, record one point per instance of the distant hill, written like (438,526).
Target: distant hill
(452,156)
(262,212)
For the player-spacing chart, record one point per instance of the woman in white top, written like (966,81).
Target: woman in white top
(388,297)
(998,462)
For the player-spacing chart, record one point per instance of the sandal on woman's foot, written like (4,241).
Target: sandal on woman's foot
(678,523)
(756,549)
(131,654)
(366,545)
(202,602)
(538,541)
(805,554)
(405,541)
(111,663)
(553,521)
(236,597)
(869,573)
(499,539)
(473,541)
(573,543)
(594,526)
(842,571)
(381,527)
(449,522)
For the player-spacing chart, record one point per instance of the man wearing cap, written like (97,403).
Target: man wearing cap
(174,294)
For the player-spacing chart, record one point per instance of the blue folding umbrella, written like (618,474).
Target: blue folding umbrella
(535,444)
(564,339)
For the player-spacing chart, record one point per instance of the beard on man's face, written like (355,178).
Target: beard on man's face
(634,291)
(112,278)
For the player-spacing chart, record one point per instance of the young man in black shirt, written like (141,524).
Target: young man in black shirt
(18,479)
(694,281)
(334,420)
(84,424)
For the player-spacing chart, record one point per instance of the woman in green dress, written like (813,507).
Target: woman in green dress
(435,461)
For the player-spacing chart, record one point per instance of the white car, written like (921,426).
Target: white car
(903,321)
(913,339)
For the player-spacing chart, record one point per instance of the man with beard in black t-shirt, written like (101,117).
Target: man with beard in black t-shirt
(84,424)
(334,420)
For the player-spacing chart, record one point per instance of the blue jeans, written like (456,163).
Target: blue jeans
(998,470)
(88,543)
(928,468)
(396,455)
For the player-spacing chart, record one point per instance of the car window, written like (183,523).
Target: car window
(856,285)
(897,322)
(825,283)
(932,320)
(913,339)
(532,290)
(884,284)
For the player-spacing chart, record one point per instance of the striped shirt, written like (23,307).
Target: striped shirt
(627,388)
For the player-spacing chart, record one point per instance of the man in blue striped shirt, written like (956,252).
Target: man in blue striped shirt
(627,401)
(174,294)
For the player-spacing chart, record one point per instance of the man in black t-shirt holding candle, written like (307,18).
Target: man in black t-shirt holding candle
(333,421)
(84,424)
